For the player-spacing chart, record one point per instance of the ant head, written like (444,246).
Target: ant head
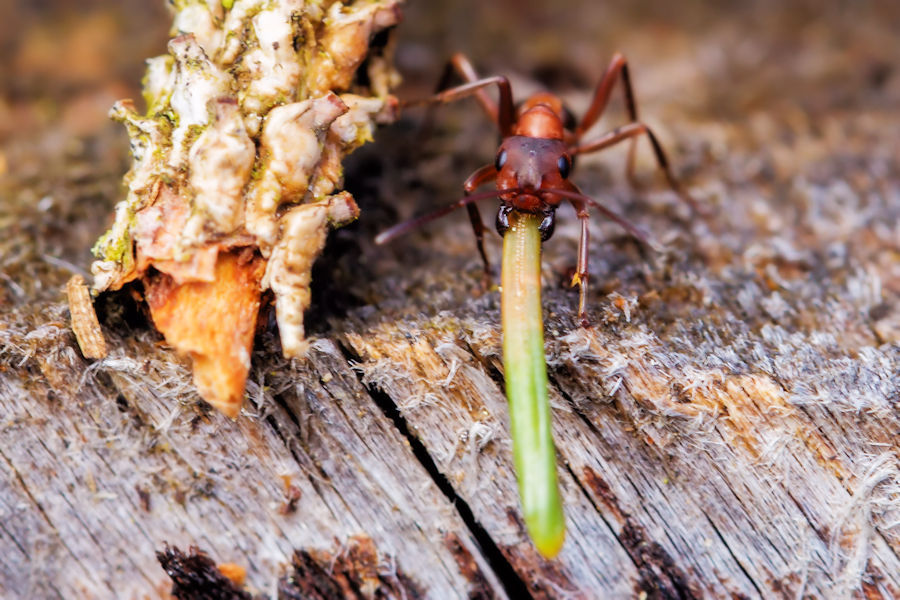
(531,164)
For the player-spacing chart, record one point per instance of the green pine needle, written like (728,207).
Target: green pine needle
(526,384)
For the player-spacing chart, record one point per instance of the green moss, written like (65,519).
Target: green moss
(259,168)
(270,103)
(166,121)
(118,250)
(193,132)
(338,224)
(195,63)
(152,102)
(305,43)
(363,136)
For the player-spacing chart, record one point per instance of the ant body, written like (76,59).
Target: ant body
(536,157)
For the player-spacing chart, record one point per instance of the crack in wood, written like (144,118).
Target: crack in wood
(468,566)
(511,581)
(733,555)
(27,491)
(660,577)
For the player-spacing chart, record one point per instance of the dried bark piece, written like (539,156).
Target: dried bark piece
(213,322)
(356,570)
(234,572)
(195,575)
(84,319)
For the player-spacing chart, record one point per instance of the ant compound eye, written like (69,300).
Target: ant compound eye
(564,166)
(501,160)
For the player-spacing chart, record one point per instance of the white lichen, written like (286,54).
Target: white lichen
(220,163)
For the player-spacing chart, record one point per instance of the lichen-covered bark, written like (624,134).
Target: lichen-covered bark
(726,428)
(243,119)
(247,120)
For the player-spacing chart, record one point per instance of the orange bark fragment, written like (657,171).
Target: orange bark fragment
(236,573)
(213,322)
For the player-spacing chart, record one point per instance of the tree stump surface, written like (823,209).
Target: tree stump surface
(726,427)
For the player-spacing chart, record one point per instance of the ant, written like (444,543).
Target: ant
(537,153)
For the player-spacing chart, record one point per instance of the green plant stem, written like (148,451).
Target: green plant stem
(526,384)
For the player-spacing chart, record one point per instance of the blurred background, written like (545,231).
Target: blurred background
(60,58)
(784,83)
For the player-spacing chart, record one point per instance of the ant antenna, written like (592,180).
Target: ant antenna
(407,226)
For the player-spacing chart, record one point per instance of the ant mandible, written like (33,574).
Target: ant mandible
(536,157)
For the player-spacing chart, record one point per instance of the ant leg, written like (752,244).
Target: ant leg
(479,177)
(460,65)
(633,130)
(479,229)
(505,112)
(581,270)
(574,194)
(618,67)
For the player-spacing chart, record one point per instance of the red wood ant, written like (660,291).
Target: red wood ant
(536,157)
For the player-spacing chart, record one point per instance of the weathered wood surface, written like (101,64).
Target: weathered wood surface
(727,428)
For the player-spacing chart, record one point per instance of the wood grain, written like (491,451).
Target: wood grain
(727,426)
